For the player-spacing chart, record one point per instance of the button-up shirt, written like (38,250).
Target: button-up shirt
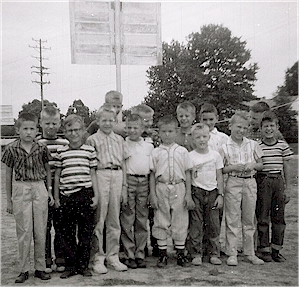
(217,139)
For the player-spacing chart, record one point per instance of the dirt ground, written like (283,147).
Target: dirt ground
(245,274)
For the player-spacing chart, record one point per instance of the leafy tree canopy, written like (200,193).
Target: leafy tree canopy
(35,107)
(79,108)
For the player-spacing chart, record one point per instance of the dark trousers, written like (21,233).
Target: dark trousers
(53,220)
(270,206)
(76,211)
(204,220)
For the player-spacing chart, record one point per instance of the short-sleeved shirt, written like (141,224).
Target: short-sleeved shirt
(255,134)
(109,149)
(27,166)
(119,128)
(248,152)
(75,165)
(217,139)
(170,163)
(274,155)
(137,156)
(205,166)
(184,139)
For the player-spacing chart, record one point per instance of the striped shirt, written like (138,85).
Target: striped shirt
(109,149)
(52,145)
(248,152)
(76,165)
(217,139)
(274,155)
(27,166)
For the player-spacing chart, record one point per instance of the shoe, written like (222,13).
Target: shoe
(182,259)
(163,259)
(277,257)
(130,263)
(232,261)
(215,260)
(42,275)
(114,262)
(140,263)
(22,277)
(265,256)
(48,268)
(255,260)
(197,261)
(67,274)
(85,272)
(60,268)
(99,266)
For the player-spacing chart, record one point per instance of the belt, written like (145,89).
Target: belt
(139,176)
(243,177)
(171,183)
(113,168)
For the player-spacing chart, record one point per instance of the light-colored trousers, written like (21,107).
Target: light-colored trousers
(240,201)
(108,211)
(30,208)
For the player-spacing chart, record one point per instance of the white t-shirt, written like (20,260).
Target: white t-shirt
(205,166)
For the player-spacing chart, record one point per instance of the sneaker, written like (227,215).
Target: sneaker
(197,261)
(182,260)
(99,266)
(115,263)
(42,275)
(265,256)
(162,261)
(60,268)
(255,260)
(85,272)
(215,260)
(277,257)
(130,263)
(22,277)
(140,263)
(67,274)
(48,268)
(232,261)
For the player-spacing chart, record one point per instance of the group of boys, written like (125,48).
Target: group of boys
(100,186)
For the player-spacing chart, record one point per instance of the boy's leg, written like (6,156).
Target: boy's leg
(48,255)
(58,243)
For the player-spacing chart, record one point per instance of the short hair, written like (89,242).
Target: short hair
(142,108)
(239,114)
(134,118)
(259,107)
(113,95)
(168,119)
(26,116)
(106,108)
(71,119)
(51,110)
(269,116)
(208,108)
(187,106)
(199,126)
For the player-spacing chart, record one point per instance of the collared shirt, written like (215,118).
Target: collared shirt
(255,134)
(137,156)
(170,162)
(109,149)
(118,128)
(76,165)
(184,139)
(205,166)
(274,155)
(27,166)
(248,152)
(217,139)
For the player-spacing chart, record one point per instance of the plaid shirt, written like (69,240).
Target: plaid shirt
(27,166)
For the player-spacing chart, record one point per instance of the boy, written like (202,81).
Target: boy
(28,198)
(76,194)
(170,191)
(242,158)
(272,193)
(186,114)
(115,99)
(112,185)
(207,194)
(50,123)
(134,214)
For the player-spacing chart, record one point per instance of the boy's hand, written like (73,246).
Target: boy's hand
(51,199)
(189,203)
(94,202)
(56,203)
(9,208)
(124,196)
(153,202)
(286,195)
(249,167)
(218,202)
(238,167)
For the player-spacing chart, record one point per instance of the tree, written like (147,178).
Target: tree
(80,109)
(283,98)
(212,67)
(35,107)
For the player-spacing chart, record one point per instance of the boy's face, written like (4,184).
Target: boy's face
(167,133)
(50,125)
(27,131)
(210,119)
(269,129)
(116,104)
(200,138)
(147,119)
(185,117)
(254,118)
(106,122)
(74,134)
(238,129)
(134,130)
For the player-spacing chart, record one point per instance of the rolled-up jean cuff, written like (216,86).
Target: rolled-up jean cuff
(276,247)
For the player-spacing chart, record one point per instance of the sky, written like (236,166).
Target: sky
(269,28)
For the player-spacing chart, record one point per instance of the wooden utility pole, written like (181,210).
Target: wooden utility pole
(41,68)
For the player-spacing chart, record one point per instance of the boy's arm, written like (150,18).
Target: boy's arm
(255,165)
(219,200)
(9,174)
(49,187)
(189,203)
(124,196)
(95,199)
(287,176)
(56,187)
(152,187)
(236,167)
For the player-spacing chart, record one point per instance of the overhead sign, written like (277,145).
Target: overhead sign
(93,31)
